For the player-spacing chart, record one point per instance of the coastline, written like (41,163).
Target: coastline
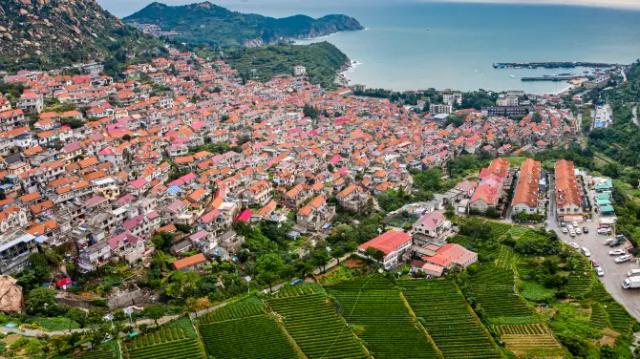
(352,65)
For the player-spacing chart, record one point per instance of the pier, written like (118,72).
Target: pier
(551,65)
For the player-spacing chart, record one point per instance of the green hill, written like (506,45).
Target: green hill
(48,34)
(322,60)
(208,24)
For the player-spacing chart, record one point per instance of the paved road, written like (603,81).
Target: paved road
(614,273)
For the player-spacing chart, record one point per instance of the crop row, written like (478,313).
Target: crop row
(313,323)
(233,311)
(160,336)
(493,289)
(443,311)
(252,337)
(536,345)
(389,331)
(178,349)
(580,280)
(525,329)
(296,290)
(599,318)
(98,354)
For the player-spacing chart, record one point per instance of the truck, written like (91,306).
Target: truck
(631,283)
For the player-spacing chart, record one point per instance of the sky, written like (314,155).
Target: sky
(126,7)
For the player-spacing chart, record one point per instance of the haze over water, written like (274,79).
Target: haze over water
(411,45)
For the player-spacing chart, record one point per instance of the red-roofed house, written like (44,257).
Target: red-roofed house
(393,244)
(451,255)
(434,226)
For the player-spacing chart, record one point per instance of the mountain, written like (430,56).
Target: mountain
(208,24)
(44,34)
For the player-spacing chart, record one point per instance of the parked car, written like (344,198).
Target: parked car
(624,258)
(585,230)
(578,230)
(586,251)
(572,233)
(565,230)
(608,241)
(604,231)
(575,224)
(563,224)
(634,272)
(574,245)
(616,242)
(617,252)
(600,271)
(594,263)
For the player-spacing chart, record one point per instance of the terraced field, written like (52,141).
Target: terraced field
(164,343)
(580,279)
(599,318)
(388,329)
(529,340)
(318,330)
(493,289)
(447,317)
(100,353)
(243,330)
(619,319)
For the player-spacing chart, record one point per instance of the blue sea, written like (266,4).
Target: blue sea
(412,44)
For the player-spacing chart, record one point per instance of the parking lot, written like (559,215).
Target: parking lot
(615,273)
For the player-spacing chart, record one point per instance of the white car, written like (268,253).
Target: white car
(604,230)
(585,251)
(565,230)
(574,245)
(570,227)
(572,233)
(600,271)
(617,252)
(575,224)
(608,241)
(624,258)
(578,230)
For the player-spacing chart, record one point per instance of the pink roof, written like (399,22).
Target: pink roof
(106,151)
(244,216)
(387,242)
(138,183)
(210,216)
(341,120)
(432,220)
(117,241)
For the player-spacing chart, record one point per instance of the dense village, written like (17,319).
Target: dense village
(181,167)
(127,159)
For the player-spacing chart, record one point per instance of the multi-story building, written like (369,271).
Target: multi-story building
(526,195)
(568,198)
(393,244)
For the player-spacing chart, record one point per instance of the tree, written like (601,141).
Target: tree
(155,312)
(181,284)
(268,267)
(337,252)
(320,257)
(40,300)
(310,111)
(376,254)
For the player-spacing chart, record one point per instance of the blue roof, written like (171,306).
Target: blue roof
(174,189)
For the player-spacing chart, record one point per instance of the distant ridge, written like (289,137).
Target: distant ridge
(209,24)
